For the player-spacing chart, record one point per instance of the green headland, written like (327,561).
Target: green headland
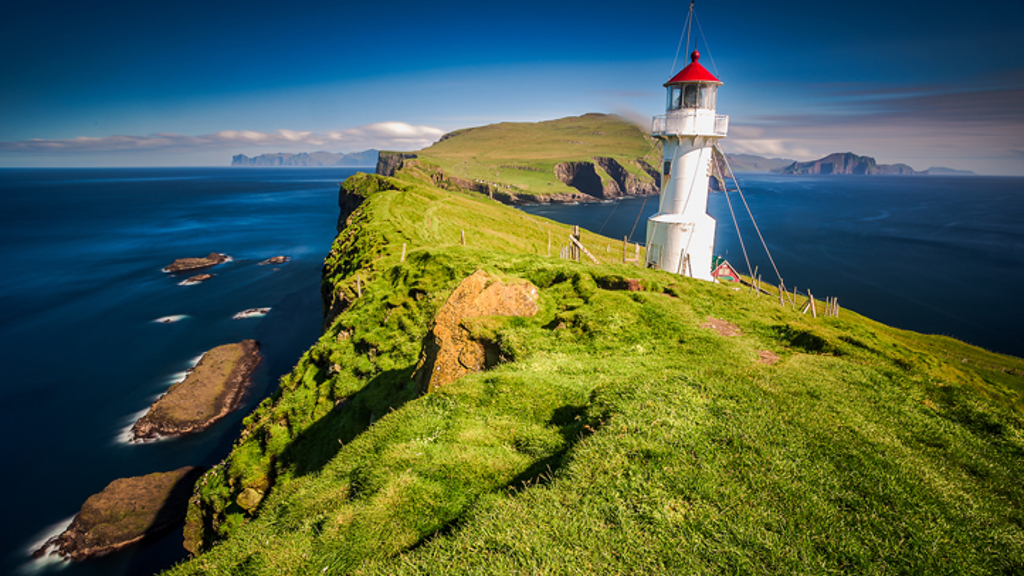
(580,158)
(634,422)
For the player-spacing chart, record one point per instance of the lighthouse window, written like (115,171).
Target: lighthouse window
(690,96)
(675,98)
(708,93)
(668,167)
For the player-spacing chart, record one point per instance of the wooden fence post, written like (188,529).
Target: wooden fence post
(463,237)
(403,252)
(578,247)
(359,286)
(814,311)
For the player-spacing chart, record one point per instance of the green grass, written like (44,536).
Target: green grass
(621,437)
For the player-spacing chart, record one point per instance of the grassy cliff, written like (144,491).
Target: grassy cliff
(640,422)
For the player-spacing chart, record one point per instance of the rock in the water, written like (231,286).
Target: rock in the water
(126,511)
(196,279)
(186,264)
(170,319)
(251,313)
(212,390)
(449,351)
(275,260)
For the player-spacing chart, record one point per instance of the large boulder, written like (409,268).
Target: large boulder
(450,352)
(209,392)
(126,511)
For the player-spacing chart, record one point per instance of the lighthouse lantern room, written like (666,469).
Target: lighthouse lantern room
(681,236)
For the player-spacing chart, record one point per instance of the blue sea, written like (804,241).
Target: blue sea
(82,356)
(82,285)
(934,254)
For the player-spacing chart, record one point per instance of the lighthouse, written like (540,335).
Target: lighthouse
(681,236)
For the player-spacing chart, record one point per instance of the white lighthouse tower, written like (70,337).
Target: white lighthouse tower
(681,236)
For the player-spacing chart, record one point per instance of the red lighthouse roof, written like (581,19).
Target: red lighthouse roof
(694,72)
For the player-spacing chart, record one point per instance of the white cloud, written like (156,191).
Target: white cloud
(751,140)
(382,135)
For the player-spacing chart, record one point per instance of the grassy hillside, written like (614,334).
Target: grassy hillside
(521,156)
(622,433)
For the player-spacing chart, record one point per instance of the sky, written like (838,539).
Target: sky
(192,83)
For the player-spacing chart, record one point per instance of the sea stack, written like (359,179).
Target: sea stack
(210,391)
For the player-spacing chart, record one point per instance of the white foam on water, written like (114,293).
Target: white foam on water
(49,559)
(176,378)
(171,319)
(125,436)
(251,313)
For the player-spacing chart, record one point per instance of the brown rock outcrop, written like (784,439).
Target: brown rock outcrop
(449,351)
(126,511)
(186,264)
(198,278)
(209,392)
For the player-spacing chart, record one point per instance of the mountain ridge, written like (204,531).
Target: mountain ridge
(361,159)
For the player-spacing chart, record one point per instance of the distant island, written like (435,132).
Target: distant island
(835,163)
(753,163)
(362,159)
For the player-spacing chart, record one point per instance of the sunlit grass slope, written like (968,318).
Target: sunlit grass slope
(619,437)
(524,154)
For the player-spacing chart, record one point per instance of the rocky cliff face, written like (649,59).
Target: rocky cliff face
(389,162)
(846,163)
(615,183)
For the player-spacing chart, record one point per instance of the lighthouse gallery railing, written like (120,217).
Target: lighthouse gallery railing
(691,123)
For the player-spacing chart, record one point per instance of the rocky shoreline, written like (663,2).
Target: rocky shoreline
(128,510)
(210,391)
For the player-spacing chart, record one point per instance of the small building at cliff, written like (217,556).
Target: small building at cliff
(724,272)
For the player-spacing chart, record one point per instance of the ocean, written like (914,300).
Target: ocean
(83,286)
(83,251)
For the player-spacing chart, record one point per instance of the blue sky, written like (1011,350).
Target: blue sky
(192,83)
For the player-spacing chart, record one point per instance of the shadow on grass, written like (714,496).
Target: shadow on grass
(574,423)
(316,445)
